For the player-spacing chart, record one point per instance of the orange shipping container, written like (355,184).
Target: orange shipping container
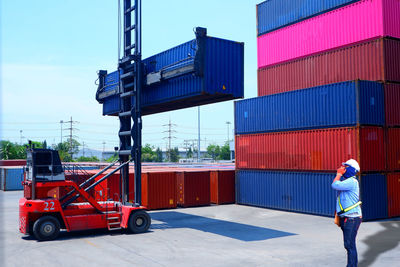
(222,187)
(393,189)
(312,150)
(159,190)
(193,188)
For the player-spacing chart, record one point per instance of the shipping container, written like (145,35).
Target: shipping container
(393,148)
(209,72)
(13,162)
(11,178)
(392,103)
(373,60)
(292,191)
(275,14)
(316,150)
(393,190)
(193,188)
(365,19)
(159,190)
(222,186)
(373,189)
(334,105)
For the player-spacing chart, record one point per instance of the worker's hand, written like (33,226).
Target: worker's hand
(341,171)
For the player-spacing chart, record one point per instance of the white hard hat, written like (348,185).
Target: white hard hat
(352,163)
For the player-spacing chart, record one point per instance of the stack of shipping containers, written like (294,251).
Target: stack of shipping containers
(328,91)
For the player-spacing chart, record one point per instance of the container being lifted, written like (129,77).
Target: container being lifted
(202,71)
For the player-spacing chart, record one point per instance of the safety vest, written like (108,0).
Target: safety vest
(348,208)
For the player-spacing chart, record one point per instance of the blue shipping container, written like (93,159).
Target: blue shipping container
(291,191)
(11,178)
(374,196)
(335,105)
(202,72)
(275,14)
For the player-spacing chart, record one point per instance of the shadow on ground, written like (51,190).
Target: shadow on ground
(239,231)
(380,242)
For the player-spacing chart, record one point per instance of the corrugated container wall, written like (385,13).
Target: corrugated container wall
(393,148)
(350,24)
(374,196)
(193,188)
(11,178)
(374,60)
(316,150)
(275,14)
(292,191)
(222,187)
(13,162)
(221,78)
(392,103)
(159,190)
(317,107)
(393,189)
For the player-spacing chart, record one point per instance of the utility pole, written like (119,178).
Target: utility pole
(83,148)
(61,128)
(170,131)
(198,139)
(104,149)
(228,123)
(20,136)
(71,135)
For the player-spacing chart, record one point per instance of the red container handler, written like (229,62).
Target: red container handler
(373,60)
(159,190)
(393,148)
(222,187)
(312,150)
(392,103)
(193,188)
(393,189)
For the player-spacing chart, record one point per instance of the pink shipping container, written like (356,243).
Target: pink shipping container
(393,149)
(392,104)
(312,150)
(360,21)
(373,60)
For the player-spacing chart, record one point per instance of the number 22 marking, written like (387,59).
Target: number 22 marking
(47,206)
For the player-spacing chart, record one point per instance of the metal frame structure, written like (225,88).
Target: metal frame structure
(130,84)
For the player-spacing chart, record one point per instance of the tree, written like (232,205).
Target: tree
(225,152)
(189,153)
(214,151)
(9,150)
(64,150)
(173,154)
(44,144)
(159,157)
(148,155)
(87,159)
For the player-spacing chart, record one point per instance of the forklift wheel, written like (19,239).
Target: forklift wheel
(46,228)
(139,222)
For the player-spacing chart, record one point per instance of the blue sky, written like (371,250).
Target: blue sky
(51,50)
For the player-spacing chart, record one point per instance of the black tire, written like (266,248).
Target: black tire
(139,222)
(46,228)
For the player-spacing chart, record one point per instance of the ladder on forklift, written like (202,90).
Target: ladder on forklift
(130,84)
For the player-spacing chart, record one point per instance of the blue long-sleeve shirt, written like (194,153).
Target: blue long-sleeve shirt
(349,192)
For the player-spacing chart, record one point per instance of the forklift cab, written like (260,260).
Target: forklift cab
(43,165)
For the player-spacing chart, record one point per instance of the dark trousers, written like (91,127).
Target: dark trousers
(350,227)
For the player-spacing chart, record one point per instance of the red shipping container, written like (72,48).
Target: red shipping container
(108,189)
(13,162)
(393,189)
(392,103)
(376,60)
(222,187)
(159,190)
(193,188)
(393,149)
(312,150)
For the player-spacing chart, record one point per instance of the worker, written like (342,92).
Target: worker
(348,209)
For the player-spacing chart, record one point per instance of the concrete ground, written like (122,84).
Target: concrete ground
(227,235)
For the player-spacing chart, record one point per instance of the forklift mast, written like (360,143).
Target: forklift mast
(130,87)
